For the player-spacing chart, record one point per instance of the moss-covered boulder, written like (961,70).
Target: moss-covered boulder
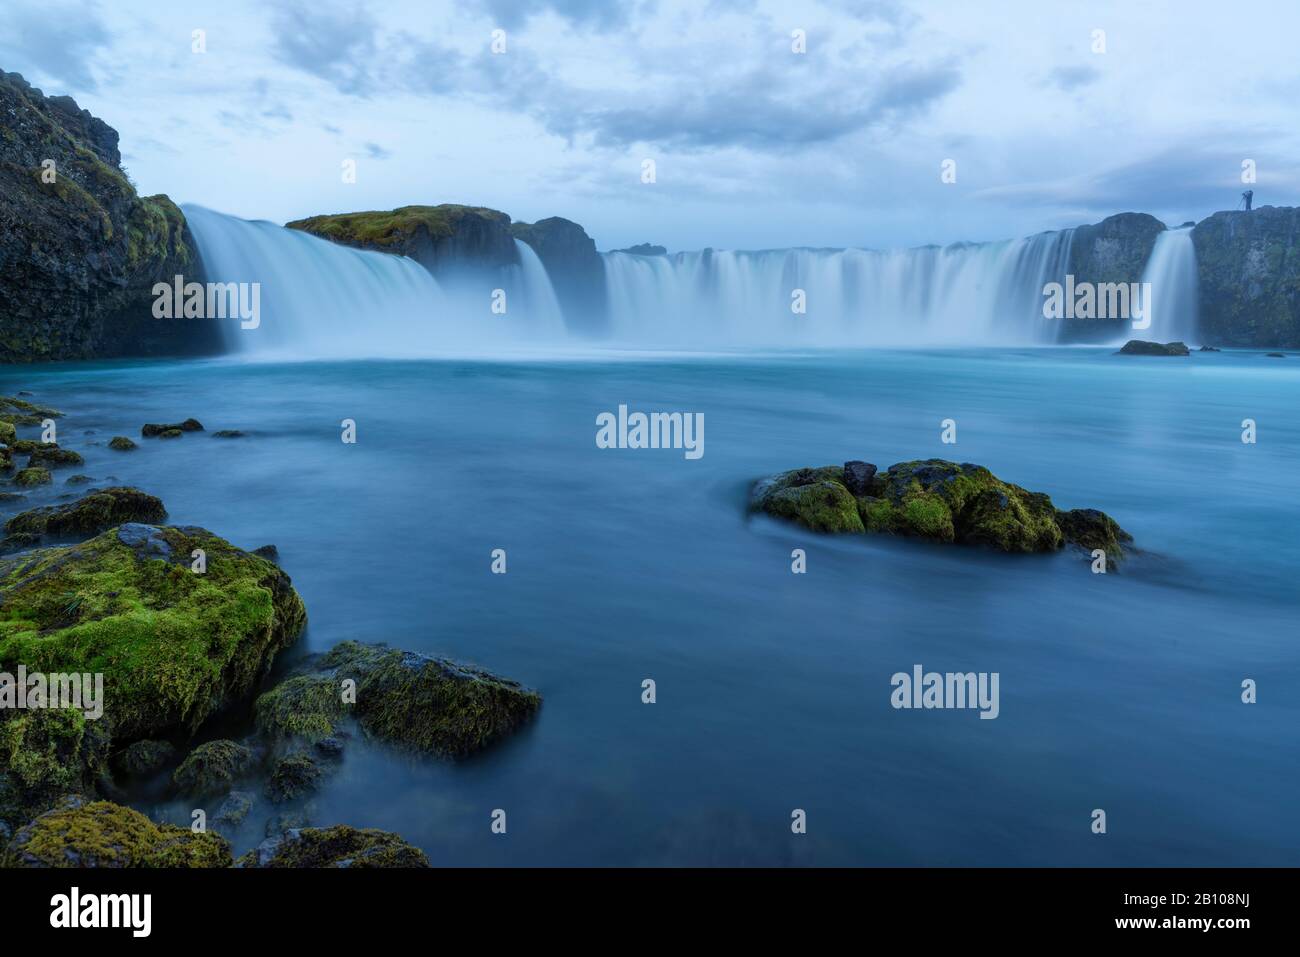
(142,758)
(174,645)
(93,513)
(53,457)
(1142,347)
(30,477)
(338,846)
(46,754)
(294,776)
(8,434)
(234,809)
(936,500)
(19,411)
(102,834)
(212,769)
(121,443)
(428,705)
(154,429)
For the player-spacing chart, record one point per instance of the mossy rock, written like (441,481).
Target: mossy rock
(30,446)
(12,407)
(30,477)
(174,646)
(428,705)
(103,834)
(234,809)
(140,759)
(338,846)
(53,457)
(936,500)
(45,754)
(93,513)
(212,769)
(8,434)
(151,429)
(121,443)
(294,776)
(1091,529)
(304,706)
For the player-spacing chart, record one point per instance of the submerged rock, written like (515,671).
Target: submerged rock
(151,429)
(102,834)
(428,705)
(121,443)
(93,513)
(227,434)
(51,456)
(29,477)
(338,846)
(936,500)
(1140,347)
(294,776)
(211,769)
(235,808)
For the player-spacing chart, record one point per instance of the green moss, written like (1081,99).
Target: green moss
(102,834)
(338,846)
(392,228)
(155,234)
(212,769)
(304,706)
(172,645)
(933,499)
(8,434)
(53,457)
(815,498)
(33,476)
(45,754)
(121,443)
(292,777)
(143,758)
(429,705)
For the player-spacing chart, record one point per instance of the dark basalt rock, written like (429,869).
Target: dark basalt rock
(121,443)
(858,476)
(293,776)
(1140,347)
(575,268)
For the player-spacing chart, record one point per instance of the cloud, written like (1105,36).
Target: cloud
(58,42)
(1073,77)
(599,15)
(375,151)
(336,45)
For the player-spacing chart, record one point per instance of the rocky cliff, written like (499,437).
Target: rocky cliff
(79,249)
(1114,250)
(577,272)
(1248,265)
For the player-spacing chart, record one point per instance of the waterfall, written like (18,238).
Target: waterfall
(965,294)
(319,299)
(1171,271)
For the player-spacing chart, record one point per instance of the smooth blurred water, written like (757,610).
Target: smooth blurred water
(1119,691)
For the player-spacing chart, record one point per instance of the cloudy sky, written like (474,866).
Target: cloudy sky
(754,145)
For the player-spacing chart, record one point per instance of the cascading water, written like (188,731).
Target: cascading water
(964,294)
(1171,271)
(320,299)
